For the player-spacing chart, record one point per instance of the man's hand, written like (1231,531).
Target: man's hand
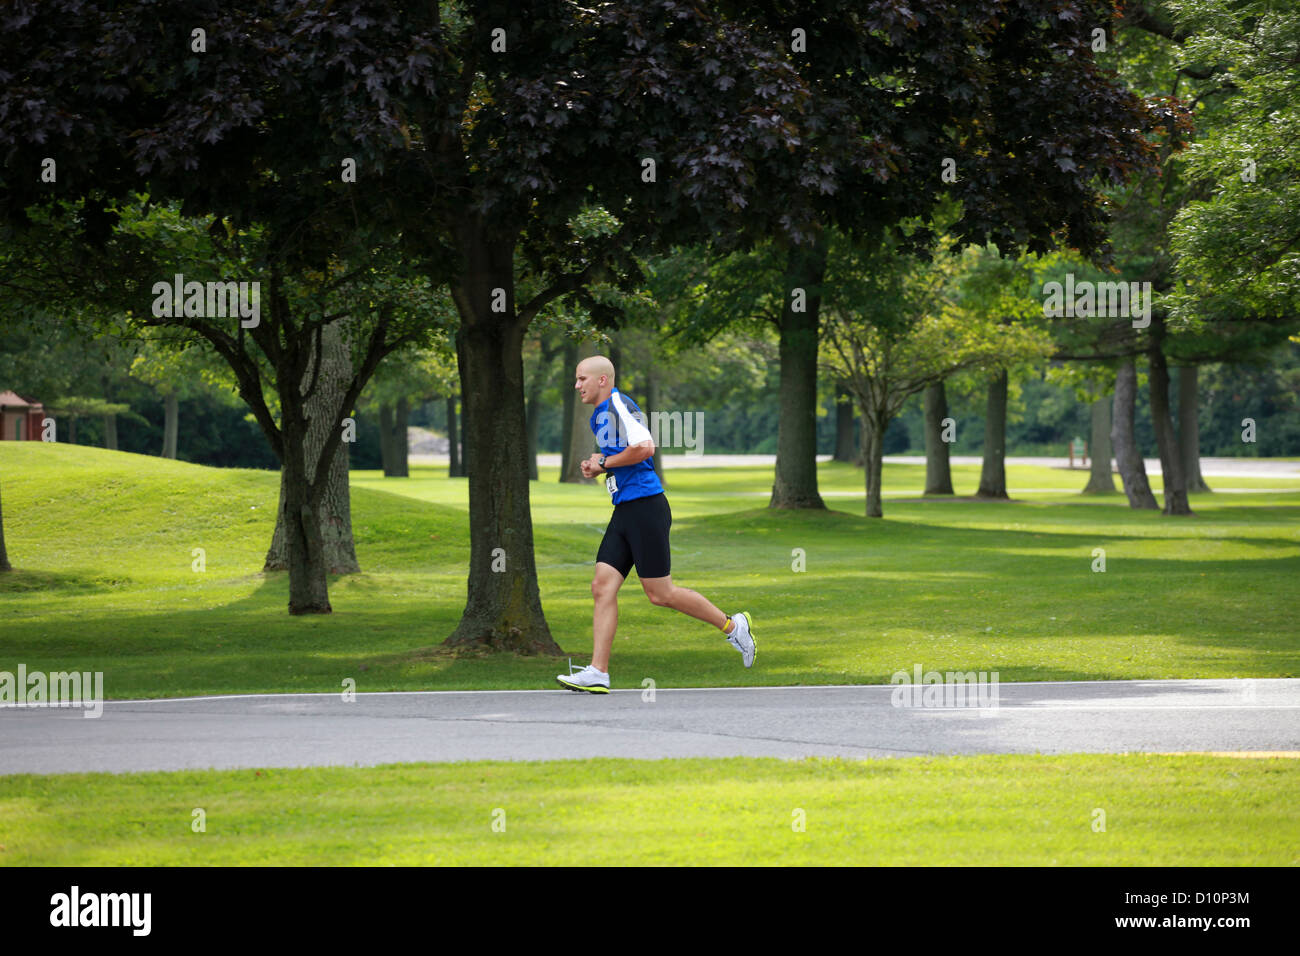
(591,466)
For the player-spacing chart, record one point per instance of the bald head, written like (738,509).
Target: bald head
(597,365)
(595,379)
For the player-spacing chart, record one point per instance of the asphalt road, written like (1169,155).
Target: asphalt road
(292,730)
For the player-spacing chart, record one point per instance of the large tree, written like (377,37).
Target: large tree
(913,106)
(1216,265)
(663,115)
(113,102)
(998,289)
(1128,456)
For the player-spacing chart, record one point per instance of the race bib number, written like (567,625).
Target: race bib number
(610,484)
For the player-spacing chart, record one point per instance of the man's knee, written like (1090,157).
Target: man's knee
(661,597)
(603,588)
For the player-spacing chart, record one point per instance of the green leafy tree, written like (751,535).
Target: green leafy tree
(910,108)
(363,308)
(898,323)
(1238,244)
(176,374)
(1188,50)
(406,379)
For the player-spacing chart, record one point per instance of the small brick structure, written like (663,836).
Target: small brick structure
(20,419)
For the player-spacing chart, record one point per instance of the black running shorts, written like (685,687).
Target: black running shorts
(638,534)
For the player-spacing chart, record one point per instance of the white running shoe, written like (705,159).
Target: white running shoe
(588,679)
(742,637)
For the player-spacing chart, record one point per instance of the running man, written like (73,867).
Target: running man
(638,531)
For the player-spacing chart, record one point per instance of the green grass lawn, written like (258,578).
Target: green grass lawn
(955,811)
(103,545)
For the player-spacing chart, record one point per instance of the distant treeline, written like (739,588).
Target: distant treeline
(214,434)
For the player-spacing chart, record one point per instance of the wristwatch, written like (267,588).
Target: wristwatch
(601,461)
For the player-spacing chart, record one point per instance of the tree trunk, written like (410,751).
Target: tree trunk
(402,436)
(385,436)
(570,399)
(796,442)
(845,413)
(938,470)
(616,359)
(873,444)
(1189,432)
(394,447)
(581,441)
(302,544)
(335,507)
(1171,462)
(298,521)
(651,405)
(171,424)
(110,432)
(72,429)
(503,609)
(456,463)
(4,553)
(549,347)
(993,472)
(534,419)
(1100,479)
(1128,457)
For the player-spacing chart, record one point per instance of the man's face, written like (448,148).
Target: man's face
(588,385)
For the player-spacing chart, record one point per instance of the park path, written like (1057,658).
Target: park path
(294,730)
(1209,466)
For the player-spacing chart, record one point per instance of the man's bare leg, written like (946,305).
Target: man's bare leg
(604,616)
(663,593)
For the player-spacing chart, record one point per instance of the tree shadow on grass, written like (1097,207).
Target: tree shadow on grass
(910,531)
(21,580)
(255,621)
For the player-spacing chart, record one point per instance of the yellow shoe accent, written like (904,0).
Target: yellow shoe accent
(749,622)
(593,689)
